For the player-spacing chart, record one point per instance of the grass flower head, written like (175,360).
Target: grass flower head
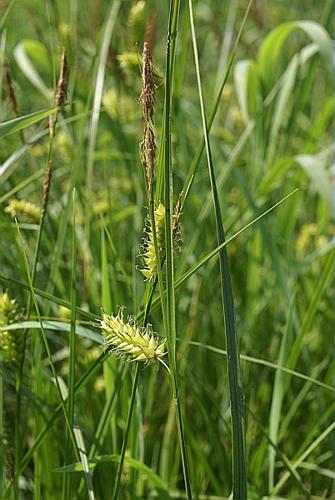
(23,210)
(11,341)
(149,257)
(127,339)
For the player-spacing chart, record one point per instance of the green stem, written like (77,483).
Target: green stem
(125,438)
(170,294)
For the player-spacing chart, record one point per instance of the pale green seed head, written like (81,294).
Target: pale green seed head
(150,269)
(11,341)
(23,210)
(127,339)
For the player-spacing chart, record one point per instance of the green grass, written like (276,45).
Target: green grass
(243,119)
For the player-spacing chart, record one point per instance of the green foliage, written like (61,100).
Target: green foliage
(77,422)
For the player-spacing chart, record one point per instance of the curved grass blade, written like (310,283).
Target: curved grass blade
(17,124)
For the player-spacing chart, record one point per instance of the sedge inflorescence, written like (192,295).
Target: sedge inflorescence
(149,257)
(23,210)
(11,341)
(125,338)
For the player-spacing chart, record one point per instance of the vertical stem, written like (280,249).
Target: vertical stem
(125,438)
(170,295)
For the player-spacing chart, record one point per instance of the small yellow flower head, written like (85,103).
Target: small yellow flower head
(126,339)
(64,313)
(304,239)
(23,210)
(11,341)
(119,105)
(149,257)
(136,15)
(100,207)
(128,60)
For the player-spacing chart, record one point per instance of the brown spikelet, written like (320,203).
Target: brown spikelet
(46,185)
(10,89)
(61,90)
(150,30)
(148,100)
(176,217)
(148,91)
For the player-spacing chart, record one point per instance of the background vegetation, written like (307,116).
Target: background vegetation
(271,131)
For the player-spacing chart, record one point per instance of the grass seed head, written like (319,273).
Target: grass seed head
(127,339)
(11,341)
(23,210)
(148,100)
(150,262)
(136,16)
(61,90)
(10,88)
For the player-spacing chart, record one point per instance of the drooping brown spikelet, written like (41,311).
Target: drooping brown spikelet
(176,217)
(148,91)
(10,89)
(61,90)
(148,100)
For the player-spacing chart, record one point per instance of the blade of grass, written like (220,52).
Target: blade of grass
(278,392)
(290,469)
(303,456)
(263,362)
(234,378)
(136,464)
(99,86)
(84,461)
(326,276)
(17,124)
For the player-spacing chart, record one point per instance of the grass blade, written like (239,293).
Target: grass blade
(22,122)
(234,377)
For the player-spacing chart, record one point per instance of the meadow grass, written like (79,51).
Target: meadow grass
(167,256)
